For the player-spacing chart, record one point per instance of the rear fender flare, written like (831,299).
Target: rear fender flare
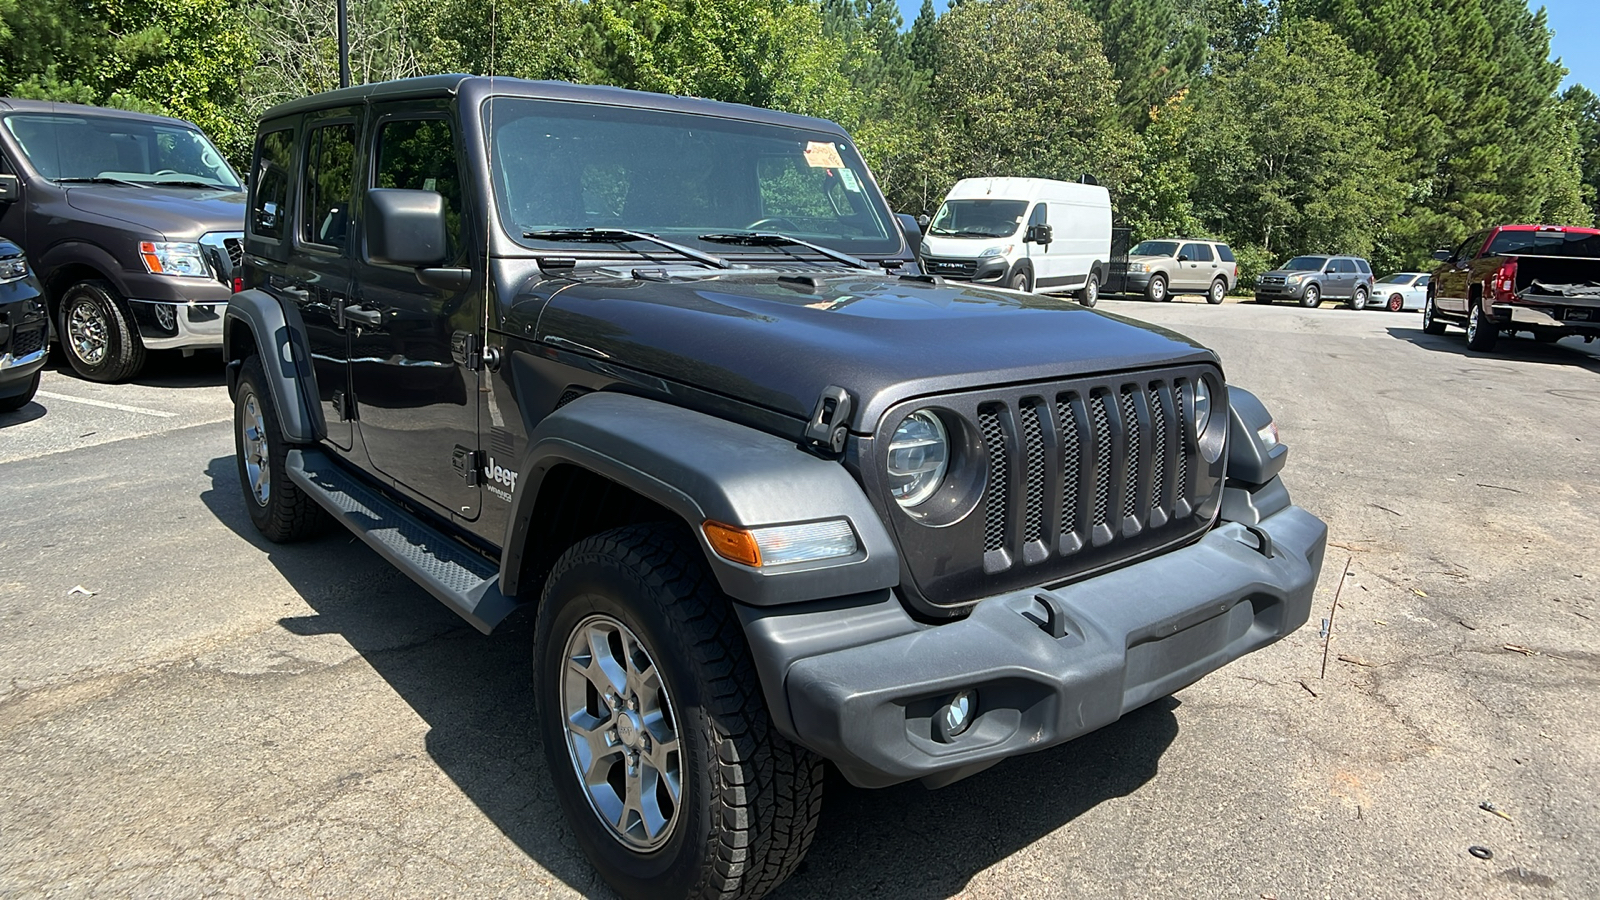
(277,335)
(704,468)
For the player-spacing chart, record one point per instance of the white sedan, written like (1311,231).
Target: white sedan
(1402,290)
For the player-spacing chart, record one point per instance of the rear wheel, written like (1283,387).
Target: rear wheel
(1157,289)
(1396,303)
(1358,300)
(656,734)
(1312,298)
(1218,292)
(1431,323)
(1481,330)
(97,334)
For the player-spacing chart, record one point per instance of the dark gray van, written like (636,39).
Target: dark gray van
(133,223)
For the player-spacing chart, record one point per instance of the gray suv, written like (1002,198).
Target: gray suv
(1159,269)
(133,222)
(1312,279)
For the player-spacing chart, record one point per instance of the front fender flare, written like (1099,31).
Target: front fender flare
(278,336)
(700,467)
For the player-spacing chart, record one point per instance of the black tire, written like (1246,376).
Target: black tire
(1090,294)
(1481,333)
(750,799)
(1218,292)
(1312,298)
(1358,299)
(1156,291)
(285,513)
(97,334)
(12,404)
(1021,280)
(1431,323)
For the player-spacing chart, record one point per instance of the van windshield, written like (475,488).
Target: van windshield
(73,147)
(560,168)
(978,218)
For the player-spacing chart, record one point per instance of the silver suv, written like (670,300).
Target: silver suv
(1312,279)
(1159,269)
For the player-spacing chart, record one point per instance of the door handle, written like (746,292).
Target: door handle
(371,318)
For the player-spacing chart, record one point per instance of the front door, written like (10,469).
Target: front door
(317,276)
(1450,291)
(414,357)
(1046,271)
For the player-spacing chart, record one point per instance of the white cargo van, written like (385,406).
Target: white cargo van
(1023,233)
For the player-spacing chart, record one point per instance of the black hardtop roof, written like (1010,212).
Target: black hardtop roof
(477,87)
(12,104)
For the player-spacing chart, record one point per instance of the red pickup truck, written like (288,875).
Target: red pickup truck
(1542,279)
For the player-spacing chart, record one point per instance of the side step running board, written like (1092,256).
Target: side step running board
(462,580)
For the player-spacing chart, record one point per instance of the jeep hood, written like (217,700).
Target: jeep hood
(778,343)
(173,213)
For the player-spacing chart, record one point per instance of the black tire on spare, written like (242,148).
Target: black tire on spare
(110,349)
(18,401)
(281,512)
(749,798)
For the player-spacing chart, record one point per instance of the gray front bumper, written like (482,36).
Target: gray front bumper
(1131,636)
(1281,291)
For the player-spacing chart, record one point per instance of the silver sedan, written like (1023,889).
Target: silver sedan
(1402,290)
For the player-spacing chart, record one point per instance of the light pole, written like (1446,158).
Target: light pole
(344,45)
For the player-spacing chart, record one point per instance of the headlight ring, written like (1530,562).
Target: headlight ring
(918,458)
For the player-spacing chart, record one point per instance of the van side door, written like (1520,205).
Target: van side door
(415,350)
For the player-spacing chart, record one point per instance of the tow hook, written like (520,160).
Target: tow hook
(1263,540)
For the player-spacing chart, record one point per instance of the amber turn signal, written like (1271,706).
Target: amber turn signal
(732,543)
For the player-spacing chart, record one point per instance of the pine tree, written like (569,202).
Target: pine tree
(1154,52)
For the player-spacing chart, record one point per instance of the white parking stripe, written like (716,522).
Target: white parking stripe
(107,405)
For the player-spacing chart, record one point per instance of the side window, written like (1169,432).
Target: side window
(269,198)
(1225,253)
(1342,266)
(328,181)
(1202,253)
(1040,215)
(419,154)
(1361,266)
(1193,253)
(1423,281)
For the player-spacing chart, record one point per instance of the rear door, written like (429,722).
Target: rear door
(1200,267)
(414,350)
(1341,279)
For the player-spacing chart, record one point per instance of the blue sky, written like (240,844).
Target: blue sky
(1575,22)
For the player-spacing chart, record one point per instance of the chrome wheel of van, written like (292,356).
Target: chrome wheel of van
(622,732)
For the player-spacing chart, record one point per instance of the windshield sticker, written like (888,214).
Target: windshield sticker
(823,155)
(851,184)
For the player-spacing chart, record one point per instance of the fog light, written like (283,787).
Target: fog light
(957,715)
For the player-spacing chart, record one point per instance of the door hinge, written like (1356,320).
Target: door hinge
(466,348)
(468,464)
(828,428)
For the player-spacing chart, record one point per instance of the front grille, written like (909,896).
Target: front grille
(26,342)
(235,248)
(1070,478)
(1273,279)
(961,268)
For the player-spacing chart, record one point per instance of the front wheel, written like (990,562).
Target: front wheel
(1481,332)
(277,507)
(97,334)
(1156,290)
(1021,280)
(1090,295)
(657,737)
(1312,298)
(1430,318)
(1218,292)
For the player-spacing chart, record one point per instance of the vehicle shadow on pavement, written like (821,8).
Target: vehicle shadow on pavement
(1568,352)
(474,694)
(162,368)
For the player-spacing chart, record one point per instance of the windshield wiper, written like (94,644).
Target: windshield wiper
(208,185)
(773,239)
(618,235)
(99,180)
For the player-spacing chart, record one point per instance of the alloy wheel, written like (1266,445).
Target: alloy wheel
(622,732)
(253,440)
(87,330)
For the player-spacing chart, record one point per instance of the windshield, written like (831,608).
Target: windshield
(1305,264)
(1155,248)
(571,166)
(1546,243)
(1401,278)
(87,147)
(978,218)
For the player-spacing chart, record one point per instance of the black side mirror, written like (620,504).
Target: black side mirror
(1442,255)
(1039,234)
(911,228)
(1182,257)
(405,227)
(10,188)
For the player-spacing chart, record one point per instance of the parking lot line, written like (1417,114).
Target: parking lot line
(106,404)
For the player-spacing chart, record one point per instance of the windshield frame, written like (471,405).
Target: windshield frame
(498,111)
(132,123)
(1322,263)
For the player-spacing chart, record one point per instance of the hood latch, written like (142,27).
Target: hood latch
(829,425)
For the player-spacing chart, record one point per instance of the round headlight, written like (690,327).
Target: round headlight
(1202,406)
(919,454)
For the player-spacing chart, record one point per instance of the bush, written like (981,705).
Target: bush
(1252,262)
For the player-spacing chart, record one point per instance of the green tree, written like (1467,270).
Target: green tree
(1584,108)
(1286,151)
(1154,52)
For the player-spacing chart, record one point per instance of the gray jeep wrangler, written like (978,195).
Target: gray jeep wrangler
(665,371)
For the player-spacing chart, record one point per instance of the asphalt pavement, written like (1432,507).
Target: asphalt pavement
(186,710)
